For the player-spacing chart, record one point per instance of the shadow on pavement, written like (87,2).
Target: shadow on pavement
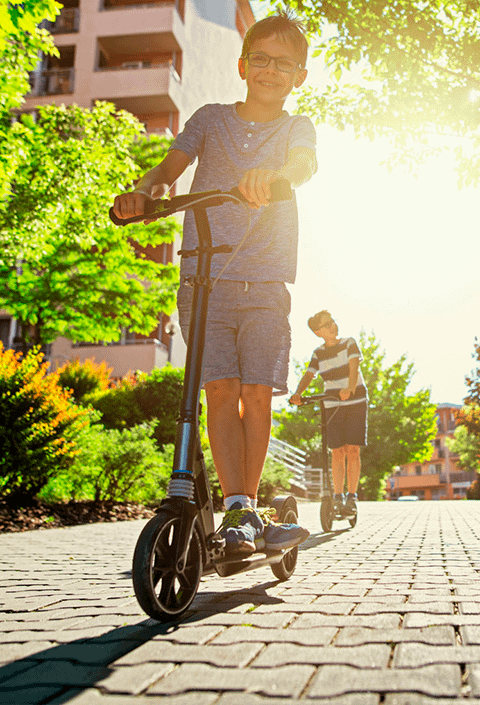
(58,674)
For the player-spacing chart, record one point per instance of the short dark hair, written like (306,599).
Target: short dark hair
(314,322)
(283,24)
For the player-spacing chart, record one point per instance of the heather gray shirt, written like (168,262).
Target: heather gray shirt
(226,147)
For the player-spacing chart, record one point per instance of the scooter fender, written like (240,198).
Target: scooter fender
(282,504)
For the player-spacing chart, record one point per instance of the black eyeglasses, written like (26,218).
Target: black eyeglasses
(261,61)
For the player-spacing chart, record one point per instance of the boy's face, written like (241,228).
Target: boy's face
(327,330)
(270,84)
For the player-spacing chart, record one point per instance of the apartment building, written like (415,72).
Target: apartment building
(160,60)
(439,477)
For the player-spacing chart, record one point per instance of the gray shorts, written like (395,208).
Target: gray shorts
(248,332)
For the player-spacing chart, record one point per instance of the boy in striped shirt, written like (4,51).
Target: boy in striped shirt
(338,363)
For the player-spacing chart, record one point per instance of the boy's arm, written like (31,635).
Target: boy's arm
(300,166)
(154,184)
(296,398)
(353,365)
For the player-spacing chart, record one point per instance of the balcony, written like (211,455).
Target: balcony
(57,81)
(179,5)
(142,91)
(141,29)
(67,21)
(403,482)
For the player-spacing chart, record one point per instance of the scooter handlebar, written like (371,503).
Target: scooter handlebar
(163,207)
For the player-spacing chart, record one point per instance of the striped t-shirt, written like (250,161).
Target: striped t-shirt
(332,364)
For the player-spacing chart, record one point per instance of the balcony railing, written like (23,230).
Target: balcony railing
(135,65)
(122,5)
(53,82)
(67,21)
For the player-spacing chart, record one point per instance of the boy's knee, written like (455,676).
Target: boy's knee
(223,391)
(256,395)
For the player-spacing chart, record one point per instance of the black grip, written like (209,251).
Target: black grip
(280,190)
(149,208)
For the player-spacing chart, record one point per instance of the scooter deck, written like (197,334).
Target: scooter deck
(231,565)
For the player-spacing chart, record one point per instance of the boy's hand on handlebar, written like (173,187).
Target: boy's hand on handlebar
(129,205)
(255,186)
(296,399)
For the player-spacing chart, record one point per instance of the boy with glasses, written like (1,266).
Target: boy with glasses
(250,144)
(337,361)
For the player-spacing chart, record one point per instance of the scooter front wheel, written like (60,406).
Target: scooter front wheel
(326,514)
(162,591)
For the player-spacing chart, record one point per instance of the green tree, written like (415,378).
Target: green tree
(89,279)
(21,41)
(403,69)
(467,434)
(467,447)
(401,426)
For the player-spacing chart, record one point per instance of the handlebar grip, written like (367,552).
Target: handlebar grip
(280,191)
(149,208)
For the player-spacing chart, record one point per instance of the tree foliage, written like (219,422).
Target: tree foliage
(401,426)
(467,447)
(405,69)
(469,416)
(21,41)
(80,276)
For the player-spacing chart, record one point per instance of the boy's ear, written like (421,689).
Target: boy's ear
(241,68)
(300,77)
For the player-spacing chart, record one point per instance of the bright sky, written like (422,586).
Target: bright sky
(390,253)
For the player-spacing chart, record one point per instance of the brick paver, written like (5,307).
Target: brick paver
(385,613)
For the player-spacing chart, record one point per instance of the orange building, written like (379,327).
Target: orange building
(436,478)
(160,60)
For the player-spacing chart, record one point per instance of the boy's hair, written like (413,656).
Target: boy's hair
(315,322)
(284,25)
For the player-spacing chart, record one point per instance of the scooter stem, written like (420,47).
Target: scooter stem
(182,481)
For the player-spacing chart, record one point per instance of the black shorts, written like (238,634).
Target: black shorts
(347,425)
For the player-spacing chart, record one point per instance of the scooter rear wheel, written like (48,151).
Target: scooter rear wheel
(285,569)
(161,590)
(326,514)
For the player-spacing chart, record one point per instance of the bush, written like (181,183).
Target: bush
(39,425)
(84,378)
(144,398)
(275,479)
(113,465)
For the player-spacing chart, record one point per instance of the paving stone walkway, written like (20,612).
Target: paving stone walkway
(387,612)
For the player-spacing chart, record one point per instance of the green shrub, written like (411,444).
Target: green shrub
(144,397)
(84,378)
(275,480)
(114,465)
(39,425)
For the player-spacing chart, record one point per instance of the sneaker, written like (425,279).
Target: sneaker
(242,530)
(280,536)
(338,505)
(350,505)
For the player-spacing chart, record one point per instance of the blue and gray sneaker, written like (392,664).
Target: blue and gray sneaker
(281,536)
(242,530)
(350,505)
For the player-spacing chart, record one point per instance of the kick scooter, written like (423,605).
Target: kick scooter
(327,512)
(180,544)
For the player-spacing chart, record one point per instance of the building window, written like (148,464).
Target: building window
(418,469)
(5,330)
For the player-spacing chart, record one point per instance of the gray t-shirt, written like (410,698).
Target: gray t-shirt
(226,147)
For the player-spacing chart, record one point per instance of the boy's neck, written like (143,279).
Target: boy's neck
(253,111)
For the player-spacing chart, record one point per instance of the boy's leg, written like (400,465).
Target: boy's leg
(353,468)
(338,469)
(239,423)
(256,415)
(226,434)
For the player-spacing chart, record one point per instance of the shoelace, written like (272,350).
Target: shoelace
(233,517)
(266,515)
